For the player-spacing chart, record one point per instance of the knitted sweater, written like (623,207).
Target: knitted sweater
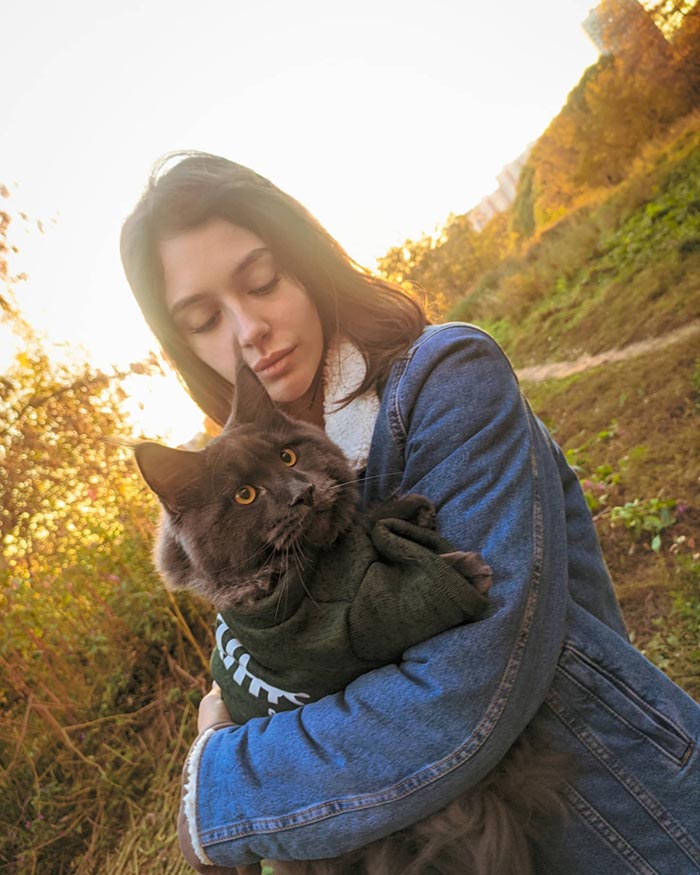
(381,589)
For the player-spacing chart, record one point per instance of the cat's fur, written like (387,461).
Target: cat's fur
(233,555)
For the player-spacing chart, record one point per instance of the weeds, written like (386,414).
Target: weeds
(675,644)
(652,517)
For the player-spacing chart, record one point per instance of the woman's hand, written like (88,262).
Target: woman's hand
(212,710)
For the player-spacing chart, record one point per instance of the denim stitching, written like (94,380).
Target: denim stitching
(397,426)
(679,761)
(609,834)
(637,700)
(457,758)
(649,802)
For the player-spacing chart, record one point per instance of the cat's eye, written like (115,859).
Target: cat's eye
(289,457)
(245,495)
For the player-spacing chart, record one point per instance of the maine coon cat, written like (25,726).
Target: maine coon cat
(264,523)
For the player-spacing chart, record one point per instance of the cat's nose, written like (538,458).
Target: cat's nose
(304,495)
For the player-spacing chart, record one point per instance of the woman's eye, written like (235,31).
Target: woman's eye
(203,327)
(289,457)
(266,288)
(245,495)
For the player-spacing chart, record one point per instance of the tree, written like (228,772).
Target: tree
(89,634)
(630,96)
(445,266)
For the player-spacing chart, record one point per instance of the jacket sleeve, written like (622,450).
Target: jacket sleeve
(401,742)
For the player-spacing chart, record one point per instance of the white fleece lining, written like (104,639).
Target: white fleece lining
(189,796)
(350,427)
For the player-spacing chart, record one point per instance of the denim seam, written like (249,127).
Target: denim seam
(396,423)
(617,843)
(635,699)
(678,761)
(643,796)
(452,761)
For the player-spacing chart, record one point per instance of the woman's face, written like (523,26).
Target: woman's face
(222,285)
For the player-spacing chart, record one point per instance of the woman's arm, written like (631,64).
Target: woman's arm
(401,742)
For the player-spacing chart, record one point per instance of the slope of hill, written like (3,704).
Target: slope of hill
(613,272)
(620,270)
(631,430)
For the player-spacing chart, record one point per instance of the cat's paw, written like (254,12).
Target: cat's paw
(412,508)
(473,567)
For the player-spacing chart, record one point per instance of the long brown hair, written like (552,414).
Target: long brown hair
(379,317)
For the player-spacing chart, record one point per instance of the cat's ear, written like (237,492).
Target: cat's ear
(251,403)
(174,475)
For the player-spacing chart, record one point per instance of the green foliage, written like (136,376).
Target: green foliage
(597,487)
(653,516)
(630,430)
(609,273)
(446,265)
(674,645)
(598,482)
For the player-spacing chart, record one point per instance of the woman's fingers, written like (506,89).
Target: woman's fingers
(212,709)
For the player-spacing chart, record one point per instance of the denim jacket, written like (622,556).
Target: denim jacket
(402,741)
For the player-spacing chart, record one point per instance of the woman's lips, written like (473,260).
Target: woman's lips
(274,363)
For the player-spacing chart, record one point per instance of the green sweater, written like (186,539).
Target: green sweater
(380,590)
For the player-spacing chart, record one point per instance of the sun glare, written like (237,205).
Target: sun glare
(160,409)
(443,103)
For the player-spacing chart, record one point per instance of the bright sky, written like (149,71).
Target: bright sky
(382,117)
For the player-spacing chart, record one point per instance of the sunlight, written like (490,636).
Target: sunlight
(401,126)
(161,409)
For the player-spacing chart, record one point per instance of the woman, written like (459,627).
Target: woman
(218,256)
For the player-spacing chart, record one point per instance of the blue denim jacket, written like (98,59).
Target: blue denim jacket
(402,741)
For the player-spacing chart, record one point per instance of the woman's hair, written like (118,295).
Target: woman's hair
(379,317)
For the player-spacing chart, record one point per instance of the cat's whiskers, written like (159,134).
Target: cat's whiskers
(301,560)
(282,587)
(365,479)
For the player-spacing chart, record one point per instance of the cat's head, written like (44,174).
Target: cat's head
(268,491)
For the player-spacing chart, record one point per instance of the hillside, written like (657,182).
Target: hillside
(631,430)
(623,269)
(608,274)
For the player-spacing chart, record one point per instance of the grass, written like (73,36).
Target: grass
(631,428)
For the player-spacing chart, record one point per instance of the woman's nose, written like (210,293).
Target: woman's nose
(250,328)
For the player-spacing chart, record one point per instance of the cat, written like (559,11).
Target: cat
(264,523)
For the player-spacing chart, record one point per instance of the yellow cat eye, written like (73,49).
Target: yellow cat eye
(245,495)
(289,457)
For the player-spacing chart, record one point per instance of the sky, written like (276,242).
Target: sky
(381,117)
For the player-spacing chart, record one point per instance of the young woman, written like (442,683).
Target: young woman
(218,257)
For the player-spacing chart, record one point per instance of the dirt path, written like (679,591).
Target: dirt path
(558,370)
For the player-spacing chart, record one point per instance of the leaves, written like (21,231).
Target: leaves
(653,516)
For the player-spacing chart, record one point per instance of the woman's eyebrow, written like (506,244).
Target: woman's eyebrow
(252,256)
(195,298)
